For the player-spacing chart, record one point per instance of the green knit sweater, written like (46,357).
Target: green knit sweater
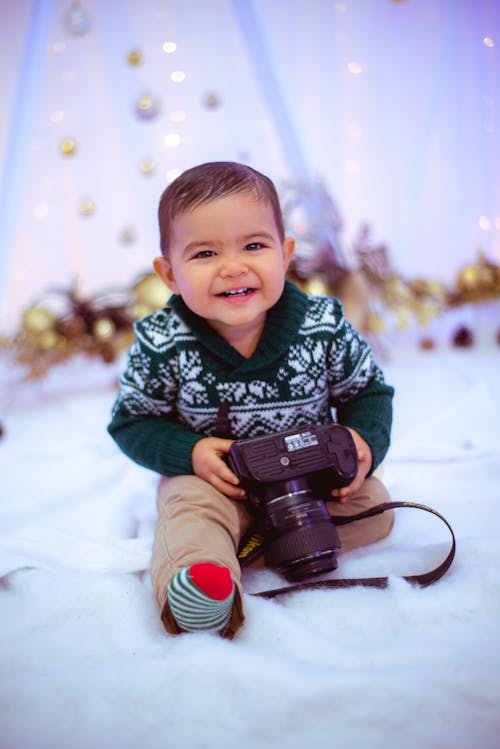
(309,361)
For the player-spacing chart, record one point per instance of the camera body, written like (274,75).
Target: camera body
(285,476)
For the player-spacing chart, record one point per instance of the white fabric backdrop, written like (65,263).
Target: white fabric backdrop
(394,105)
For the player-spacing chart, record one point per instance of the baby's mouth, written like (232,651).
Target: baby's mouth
(236,292)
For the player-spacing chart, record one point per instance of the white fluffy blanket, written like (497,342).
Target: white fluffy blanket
(85,663)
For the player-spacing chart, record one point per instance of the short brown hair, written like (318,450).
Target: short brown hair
(210,181)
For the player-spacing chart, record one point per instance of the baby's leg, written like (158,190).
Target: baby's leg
(362,532)
(196,524)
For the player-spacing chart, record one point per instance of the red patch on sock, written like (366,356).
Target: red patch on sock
(215,581)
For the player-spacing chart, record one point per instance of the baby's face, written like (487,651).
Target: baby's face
(228,262)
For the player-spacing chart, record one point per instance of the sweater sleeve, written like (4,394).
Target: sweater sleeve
(143,421)
(370,415)
(358,391)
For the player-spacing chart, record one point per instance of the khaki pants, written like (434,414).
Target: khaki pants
(196,523)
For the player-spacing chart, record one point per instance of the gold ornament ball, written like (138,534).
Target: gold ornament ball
(403,318)
(38,320)
(151,291)
(138,310)
(127,235)
(68,147)
(147,107)
(468,278)
(426,312)
(103,329)
(134,58)
(437,290)
(398,289)
(212,100)
(147,166)
(317,286)
(48,340)
(86,207)
(375,324)
(419,286)
(486,277)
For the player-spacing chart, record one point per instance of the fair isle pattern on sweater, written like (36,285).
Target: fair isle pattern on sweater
(299,395)
(310,360)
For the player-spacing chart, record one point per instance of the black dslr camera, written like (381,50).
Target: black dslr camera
(285,475)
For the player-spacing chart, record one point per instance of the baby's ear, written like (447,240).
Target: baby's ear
(163,270)
(288,250)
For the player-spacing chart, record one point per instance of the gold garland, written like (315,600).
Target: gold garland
(383,292)
(101,326)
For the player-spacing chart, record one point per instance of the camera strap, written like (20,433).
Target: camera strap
(252,546)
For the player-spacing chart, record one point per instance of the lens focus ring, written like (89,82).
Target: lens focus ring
(301,544)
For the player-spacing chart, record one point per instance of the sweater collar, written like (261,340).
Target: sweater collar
(283,321)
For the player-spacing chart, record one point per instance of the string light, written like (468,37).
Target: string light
(355,68)
(173,174)
(57,116)
(178,116)
(172,140)
(41,211)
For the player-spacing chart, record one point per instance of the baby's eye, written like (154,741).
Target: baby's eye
(203,253)
(254,246)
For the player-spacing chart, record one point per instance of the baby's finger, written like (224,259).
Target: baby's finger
(229,489)
(235,492)
(226,474)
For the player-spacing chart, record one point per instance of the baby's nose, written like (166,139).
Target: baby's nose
(233,267)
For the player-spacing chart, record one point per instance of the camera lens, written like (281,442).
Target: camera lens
(302,540)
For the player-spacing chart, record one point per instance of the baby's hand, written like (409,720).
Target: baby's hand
(364,465)
(208,464)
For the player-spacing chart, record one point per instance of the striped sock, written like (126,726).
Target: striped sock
(201,597)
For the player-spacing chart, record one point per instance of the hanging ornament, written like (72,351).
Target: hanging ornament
(147,167)
(86,207)
(134,58)
(68,147)
(77,20)
(147,107)
(212,100)
(127,235)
